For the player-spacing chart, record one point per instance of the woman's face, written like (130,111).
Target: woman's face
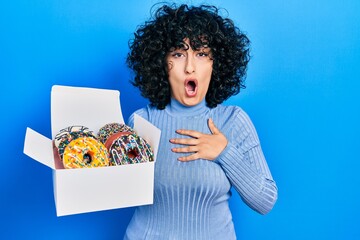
(189,74)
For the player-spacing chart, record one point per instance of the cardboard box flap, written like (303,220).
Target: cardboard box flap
(39,148)
(89,107)
(148,132)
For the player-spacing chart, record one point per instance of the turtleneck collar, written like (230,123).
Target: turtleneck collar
(175,108)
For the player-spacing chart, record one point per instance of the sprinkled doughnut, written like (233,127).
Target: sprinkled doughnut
(66,135)
(124,145)
(112,128)
(85,152)
(78,147)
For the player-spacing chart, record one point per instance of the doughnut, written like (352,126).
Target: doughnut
(66,135)
(112,128)
(124,145)
(85,152)
(78,147)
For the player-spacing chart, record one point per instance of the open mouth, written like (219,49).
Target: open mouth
(191,87)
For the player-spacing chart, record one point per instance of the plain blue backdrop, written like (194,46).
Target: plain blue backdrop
(302,95)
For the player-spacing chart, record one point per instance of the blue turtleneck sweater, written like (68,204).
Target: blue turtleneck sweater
(191,198)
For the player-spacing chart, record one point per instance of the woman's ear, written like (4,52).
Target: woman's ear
(169,65)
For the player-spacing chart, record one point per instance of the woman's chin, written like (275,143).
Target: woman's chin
(189,102)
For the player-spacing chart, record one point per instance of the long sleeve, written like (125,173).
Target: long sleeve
(245,166)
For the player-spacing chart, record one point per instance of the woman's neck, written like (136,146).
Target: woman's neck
(175,108)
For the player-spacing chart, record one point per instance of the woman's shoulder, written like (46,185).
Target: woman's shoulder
(229,110)
(232,113)
(144,112)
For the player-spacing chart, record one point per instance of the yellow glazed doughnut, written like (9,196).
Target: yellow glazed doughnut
(85,152)
(66,135)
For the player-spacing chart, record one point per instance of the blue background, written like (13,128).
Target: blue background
(302,95)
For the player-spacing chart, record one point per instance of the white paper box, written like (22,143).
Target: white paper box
(93,189)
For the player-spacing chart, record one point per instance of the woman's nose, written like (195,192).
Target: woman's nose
(190,65)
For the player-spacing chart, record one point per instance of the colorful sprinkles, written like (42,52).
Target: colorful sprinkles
(110,129)
(79,147)
(85,152)
(128,149)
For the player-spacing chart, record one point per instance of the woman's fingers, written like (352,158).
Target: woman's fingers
(190,133)
(200,145)
(212,127)
(185,141)
(191,157)
(187,149)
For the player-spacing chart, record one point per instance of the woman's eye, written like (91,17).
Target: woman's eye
(203,54)
(177,54)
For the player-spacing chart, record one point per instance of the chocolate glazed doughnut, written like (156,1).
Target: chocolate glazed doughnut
(124,145)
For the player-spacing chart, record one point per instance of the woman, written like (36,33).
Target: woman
(187,61)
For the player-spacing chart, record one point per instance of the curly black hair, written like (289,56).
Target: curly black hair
(203,26)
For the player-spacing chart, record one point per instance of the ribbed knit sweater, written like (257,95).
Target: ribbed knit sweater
(191,198)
